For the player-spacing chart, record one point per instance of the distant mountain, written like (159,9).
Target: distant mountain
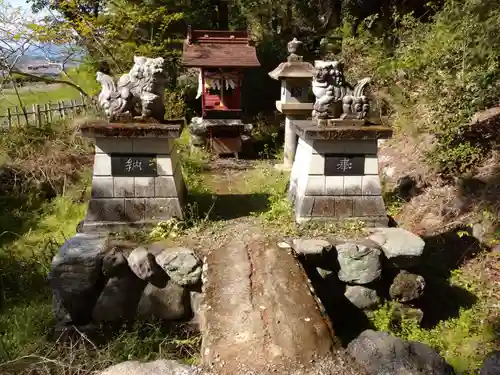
(47,59)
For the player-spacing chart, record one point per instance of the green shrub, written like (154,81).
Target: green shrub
(439,74)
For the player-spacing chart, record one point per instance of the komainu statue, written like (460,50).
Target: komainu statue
(336,98)
(139,93)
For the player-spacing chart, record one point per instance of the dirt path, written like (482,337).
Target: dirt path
(259,313)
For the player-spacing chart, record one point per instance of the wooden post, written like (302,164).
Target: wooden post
(38,115)
(73,108)
(35,117)
(9,118)
(46,108)
(51,117)
(61,112)
(18,115)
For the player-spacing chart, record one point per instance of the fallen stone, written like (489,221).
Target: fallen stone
(381,353)
(402,312)
(359,264)
(362,297)
(196,299)
(491,364)
(114,263)
(407,287)
(142,263)
(402,248)
(76,278)
(119,299)
(159,367)
(170,303)
(325,274)
(181,265)
(284,245)
(311,248)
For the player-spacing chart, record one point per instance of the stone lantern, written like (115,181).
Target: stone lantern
(295,76)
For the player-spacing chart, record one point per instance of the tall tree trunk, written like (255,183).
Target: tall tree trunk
(223,15)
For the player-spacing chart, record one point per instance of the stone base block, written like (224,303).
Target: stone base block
(136,182)
(337,180)
(108,213)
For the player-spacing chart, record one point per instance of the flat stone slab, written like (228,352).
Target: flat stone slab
(259,313)
(310,130)
(103,128)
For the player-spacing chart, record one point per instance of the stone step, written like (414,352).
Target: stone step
(259,312)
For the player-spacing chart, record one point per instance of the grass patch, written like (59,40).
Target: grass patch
(463,340)
(42,93)
(33,225)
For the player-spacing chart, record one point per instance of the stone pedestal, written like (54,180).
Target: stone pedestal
(137,178)
(335,173)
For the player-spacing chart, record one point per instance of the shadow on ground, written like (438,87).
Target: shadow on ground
(443,253)
(227,206)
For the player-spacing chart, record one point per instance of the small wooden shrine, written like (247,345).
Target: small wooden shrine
(222,56)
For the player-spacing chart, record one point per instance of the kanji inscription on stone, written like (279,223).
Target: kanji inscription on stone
(344,165)
(133,165)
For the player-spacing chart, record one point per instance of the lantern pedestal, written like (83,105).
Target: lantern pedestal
(137,178)
(295,76)
(335,173)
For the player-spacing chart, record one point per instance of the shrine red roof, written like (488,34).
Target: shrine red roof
(218,48)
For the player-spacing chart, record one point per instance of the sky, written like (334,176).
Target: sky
(18,3)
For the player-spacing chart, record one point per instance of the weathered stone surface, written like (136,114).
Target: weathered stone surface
(114,263)
(76,278)
(119,299)
(304,246)
(362,297)
(106,209)
(196,299)
(359,264)
(171,302)
(142,263)
(401,247)
(402,312)
(381,353)
(407,287)
(159,367)
(313,250)
(491,364)
(259,313)
(324,273)
(181,265)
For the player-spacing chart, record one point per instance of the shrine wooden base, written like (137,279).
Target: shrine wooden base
(224,137)
(137,178)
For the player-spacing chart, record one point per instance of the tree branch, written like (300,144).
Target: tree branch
(51,80)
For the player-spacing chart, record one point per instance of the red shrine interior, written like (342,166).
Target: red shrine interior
(221,90)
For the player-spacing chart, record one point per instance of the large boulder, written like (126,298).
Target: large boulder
(362,297)
(380,353)
(76,278)
(170,303)
(402,248)
(119,299)
(359,264)
(114,263)
(159,367)
(407,287)
(181,265)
